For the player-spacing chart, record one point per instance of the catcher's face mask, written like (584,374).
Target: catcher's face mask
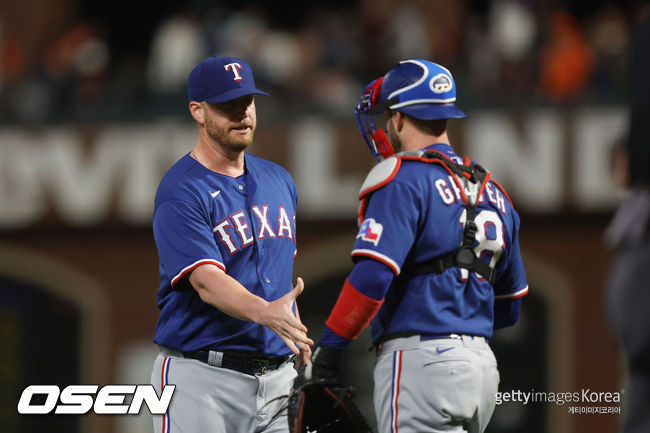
(419,88)
(368,105)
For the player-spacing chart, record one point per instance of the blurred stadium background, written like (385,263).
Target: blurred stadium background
(93,111)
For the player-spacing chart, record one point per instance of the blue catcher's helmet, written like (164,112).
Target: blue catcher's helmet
(419,88)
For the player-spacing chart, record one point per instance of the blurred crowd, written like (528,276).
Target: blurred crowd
(506,53)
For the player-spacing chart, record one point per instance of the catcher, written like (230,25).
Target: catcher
(437,264)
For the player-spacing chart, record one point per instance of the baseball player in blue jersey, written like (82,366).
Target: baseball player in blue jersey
(224,225)
(437,263)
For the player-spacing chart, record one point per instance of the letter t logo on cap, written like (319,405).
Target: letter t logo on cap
(234,67)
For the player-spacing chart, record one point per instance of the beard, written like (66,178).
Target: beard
(394,140)
(233,143)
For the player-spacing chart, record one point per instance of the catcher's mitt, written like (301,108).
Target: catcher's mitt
(325,407)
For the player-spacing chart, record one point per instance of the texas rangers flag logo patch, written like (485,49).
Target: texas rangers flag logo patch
(370,231)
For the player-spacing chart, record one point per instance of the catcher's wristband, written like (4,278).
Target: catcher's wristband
(353,312)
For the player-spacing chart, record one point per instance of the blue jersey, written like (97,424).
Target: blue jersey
(415,213)
(243,225)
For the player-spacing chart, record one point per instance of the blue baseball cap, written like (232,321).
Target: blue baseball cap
(419,88)
(220,79)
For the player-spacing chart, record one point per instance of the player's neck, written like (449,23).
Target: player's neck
(418,140)
(218,159)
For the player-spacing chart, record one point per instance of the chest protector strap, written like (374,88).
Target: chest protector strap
(473,178)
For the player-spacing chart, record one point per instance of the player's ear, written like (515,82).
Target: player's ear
(399,120)
(198,111)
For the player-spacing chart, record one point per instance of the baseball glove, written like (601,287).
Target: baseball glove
(324,407)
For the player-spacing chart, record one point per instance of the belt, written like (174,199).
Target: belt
(246,365)
(450,337)
(424,337)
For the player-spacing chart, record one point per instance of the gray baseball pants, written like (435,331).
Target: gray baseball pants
(219,400)
(431,386)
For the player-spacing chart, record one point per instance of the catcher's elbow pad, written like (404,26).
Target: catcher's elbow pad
(353,312)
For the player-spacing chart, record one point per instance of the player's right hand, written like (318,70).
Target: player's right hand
(278,315)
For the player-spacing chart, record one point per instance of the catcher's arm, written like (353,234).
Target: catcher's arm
(360,299)
(506,312)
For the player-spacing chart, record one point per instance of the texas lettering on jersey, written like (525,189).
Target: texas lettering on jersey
(243,225)
(236,233)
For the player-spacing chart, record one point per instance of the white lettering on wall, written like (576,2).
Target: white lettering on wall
(322,190)
(54,168)
(528,163)
(86,179)
(22,200)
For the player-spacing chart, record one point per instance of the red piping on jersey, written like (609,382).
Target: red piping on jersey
(362,209)
(353,312)
(185,271)
(379,259)
(513,297)
(502,190)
